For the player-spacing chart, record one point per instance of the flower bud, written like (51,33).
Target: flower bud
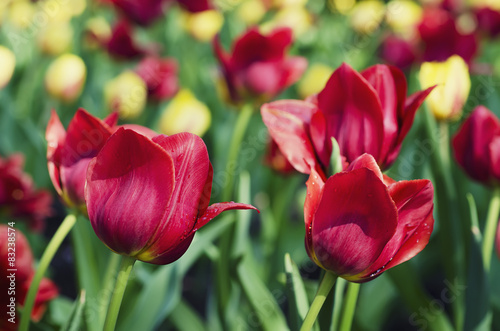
(185,113)
(97,32)
(21,13)
(126,94)
(453,86)
(56,38)
(251,11)
(366,16)
(7,65)
(403,16)
(204,25)
(65,77)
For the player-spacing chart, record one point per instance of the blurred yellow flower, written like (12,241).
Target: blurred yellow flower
(21,13)
(56,38)
(366,16)
(297,18)
(126,94)
(314,80)
(65,77)
(185,113)
(251,11)
(97,30)
(403,15)
(7,65)
(453,86)
(204,25)
(342,6)
(493,4)
(289,3)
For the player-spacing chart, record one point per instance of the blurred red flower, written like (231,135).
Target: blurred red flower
(160,76)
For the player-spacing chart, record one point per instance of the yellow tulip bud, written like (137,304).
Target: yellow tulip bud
(97,31)
(251,11)
(403,15)
(366,16)
(7,65)
(314,80)
(296,18)
(204,25)
(65,77)
(56,38)
(21,13)
(493,4)
(126,94)
(185,113)
(453,86)
(342,6)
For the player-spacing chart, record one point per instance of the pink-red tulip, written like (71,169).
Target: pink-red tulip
(23,263)
(477,146)
(195,6)
(143,12)
(258,66)
(360,223)
(122,45)
(398,51)
(160,76)
(18,196)
(365,112)
(146,198)
(488,20)
(69,152)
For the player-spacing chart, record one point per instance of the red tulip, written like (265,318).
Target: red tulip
(122,45)
(258,65)
(477,146)
(147,197)
(398,51)
(488,20)
(23,276)
(18,196)
(195,6)
(140,11)
(160,76)
(365,112)
(69,153)
(360,223)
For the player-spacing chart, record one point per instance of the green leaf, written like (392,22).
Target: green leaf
(298,302)
(335,158)
(265,308)
(75,320)
(184,317)
(241,241)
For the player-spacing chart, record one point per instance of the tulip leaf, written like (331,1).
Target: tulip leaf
(265,308)
(160,294)
(335,158)
(298,302)
(75,320)
(242,226)
(479,315)
(184,317)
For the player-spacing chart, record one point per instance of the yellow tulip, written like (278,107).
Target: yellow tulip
(493,4)
(97,30)
(342,6)
(403,15)
(296,18)
(7,65)
(251,11)
(126,94)
(21,13)
(56,38)
(65,77)
(204,25)
(453,86)
(366,16)
(314,80)
(185,113)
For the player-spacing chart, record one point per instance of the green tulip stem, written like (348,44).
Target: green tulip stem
(324,288)
(490,229)
(126,266)
(109,283)
(47,257)
(349,306)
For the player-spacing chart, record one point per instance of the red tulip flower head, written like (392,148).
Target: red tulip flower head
(360,223)
(365,112)
(477,146)
(122,44)
(258,66)
(160,76)
(140,11)
(18,196)
(146,198)
(24,274)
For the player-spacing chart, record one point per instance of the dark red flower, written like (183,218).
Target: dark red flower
(143,12)
(18,196)
(258,66)
(360,223)
(195,6)
(442,39)
(69,152)
(488,21)
(160,76)
(398,52)
(365,112)
(477,146)
(122,45)
(24,273)
(146,198)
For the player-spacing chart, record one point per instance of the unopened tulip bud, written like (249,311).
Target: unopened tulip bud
(56,38)
(21,13)
(185,113)
(366,16)
(204,25)
(314,80)
(7,65)
(296,18)
(403,16)
(65,77)
(126,94)
(453,86)
(97,32)
(251,11)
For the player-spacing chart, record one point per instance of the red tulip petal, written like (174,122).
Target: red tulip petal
(414,200)
(494,156)
(366,161)
(315,186)
(226,69)
(112,119)
(129,186)
(191,163)
(207,192)
(288,124)
(55,136)
(321,142)
(353,113)
(263,77)
(355,219)
(174,253)
(47,291)
(140,129)
(85,137)
(217,208)
(292,69)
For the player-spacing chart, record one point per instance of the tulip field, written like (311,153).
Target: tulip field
(249,165)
